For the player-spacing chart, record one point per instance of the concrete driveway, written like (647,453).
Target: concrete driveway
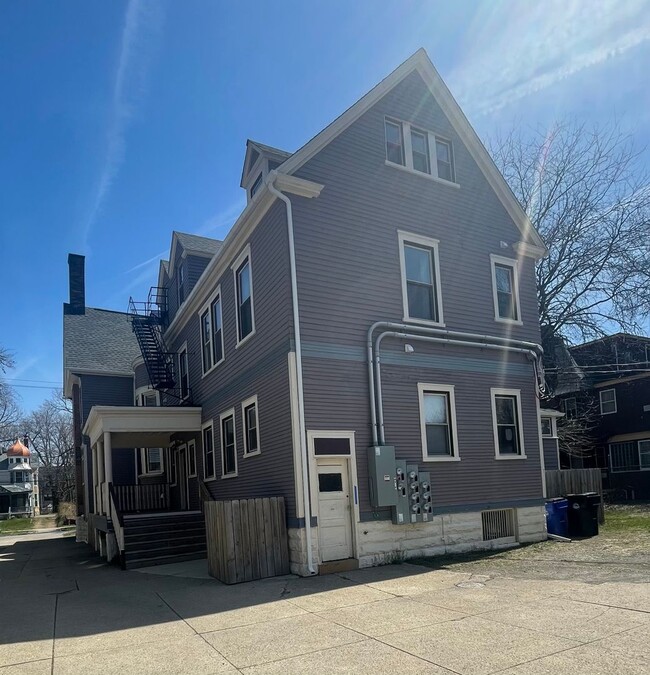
(64,611)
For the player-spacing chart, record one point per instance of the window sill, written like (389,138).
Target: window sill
(229,475)
(441,459)
(214,367)
(602,414)
(192,475)
(428,176)
(509,322)
(424,322)
(152,474)
(209,480)
(252,454)
(245,340)
(510,457)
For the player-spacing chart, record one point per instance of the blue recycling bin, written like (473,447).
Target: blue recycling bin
(557,520)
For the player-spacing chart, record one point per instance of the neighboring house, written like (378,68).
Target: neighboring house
(377,292)
(612,398)
(19,494)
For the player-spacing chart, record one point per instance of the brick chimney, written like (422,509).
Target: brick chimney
(76,265)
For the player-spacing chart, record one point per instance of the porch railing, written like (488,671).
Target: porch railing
(142,498)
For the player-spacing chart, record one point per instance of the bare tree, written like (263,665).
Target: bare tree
(587,195)
(577,435)
(52,441)
(9,409)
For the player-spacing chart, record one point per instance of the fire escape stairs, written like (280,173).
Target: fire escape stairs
(147,321)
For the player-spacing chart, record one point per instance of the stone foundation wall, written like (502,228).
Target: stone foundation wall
(381,542)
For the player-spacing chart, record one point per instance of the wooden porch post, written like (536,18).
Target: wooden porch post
(108,469)
(100,477)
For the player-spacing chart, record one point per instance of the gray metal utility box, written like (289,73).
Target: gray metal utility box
(381,470)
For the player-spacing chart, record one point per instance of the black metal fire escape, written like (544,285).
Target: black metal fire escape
(148,319)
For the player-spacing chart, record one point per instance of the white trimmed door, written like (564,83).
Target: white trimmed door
(334,509)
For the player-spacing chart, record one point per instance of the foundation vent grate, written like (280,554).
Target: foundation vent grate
(498,524)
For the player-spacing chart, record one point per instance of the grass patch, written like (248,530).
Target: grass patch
(16,525)
(626,518)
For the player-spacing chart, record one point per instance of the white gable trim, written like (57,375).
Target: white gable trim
(420,62)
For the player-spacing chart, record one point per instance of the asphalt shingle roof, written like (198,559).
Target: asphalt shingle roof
(99,340)
(192,242)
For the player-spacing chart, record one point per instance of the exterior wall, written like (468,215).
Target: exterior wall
(194,267)
(550,454)
(336,397)
(141,376)
(630,417)
(382,542)
(346,239)
(256,367)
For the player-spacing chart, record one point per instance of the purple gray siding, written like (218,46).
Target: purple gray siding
(257,367)
(194,267)
(349,277)
(141,376)
(550,454)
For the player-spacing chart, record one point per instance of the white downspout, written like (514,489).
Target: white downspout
(301,399)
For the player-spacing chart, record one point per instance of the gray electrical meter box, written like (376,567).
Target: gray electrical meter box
(381,471)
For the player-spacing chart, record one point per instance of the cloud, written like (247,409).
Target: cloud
(219,225)
(142,26)
(516,49)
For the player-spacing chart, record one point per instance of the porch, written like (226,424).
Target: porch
(139,521)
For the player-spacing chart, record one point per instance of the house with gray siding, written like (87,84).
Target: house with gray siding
(364,343)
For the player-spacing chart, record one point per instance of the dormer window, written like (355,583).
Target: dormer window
(256,185)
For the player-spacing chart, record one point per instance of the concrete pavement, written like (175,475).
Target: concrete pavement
(64,611)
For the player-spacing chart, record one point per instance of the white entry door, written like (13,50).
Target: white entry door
(334,509)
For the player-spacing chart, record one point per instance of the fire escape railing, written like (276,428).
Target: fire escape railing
(148,320)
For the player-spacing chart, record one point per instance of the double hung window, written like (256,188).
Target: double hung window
(420,278)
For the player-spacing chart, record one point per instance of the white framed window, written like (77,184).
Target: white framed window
(419,151)
(570,407)
(151,461)
(546,424)
(505,289)
(180,281)
(630,456)
(206,340)
(228,444)
(507,424)
(183,372)
(608,401)
(217,329)
(207,438)
(438,423)
(251,426)
(192,471)
(420,271)
(245,314)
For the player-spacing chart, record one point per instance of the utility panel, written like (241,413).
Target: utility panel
(401,510)
(381,469)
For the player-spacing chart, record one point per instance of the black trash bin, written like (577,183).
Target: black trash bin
(583,514)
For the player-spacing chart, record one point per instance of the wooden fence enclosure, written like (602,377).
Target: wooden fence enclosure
(576,481)
(247,539)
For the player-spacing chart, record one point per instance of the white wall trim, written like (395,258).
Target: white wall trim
(403,238)
(207,307)
(239,260)
(498,391)
(225,415)
(352,477)
(250,401)
(183,349)
(448,389)
(191,448)
(514,265)
(600,400)
(204,426)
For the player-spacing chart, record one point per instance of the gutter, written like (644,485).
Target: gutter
(271,179)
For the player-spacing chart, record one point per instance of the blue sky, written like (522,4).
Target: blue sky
(122,121)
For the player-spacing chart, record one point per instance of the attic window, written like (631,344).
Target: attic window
(256,185)
(181,283)
(418,151)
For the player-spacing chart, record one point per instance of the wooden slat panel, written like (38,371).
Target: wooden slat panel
(260,540)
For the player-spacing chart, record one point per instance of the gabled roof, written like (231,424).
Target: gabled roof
(98,341)
(163,267)
(420,62)
(611,338)
(254,150)
(193,244)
